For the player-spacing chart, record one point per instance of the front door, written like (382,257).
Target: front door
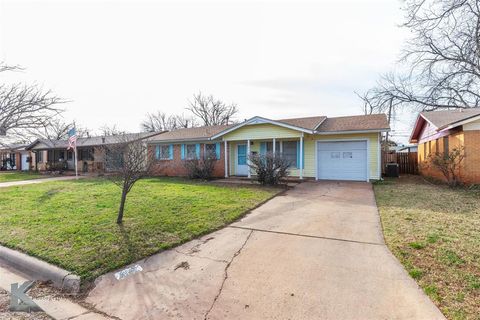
(242,167)
(25,163)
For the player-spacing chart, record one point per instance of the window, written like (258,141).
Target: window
(211,150)
(347,155)
(335,155)
(290,152)
(39,155)
(85,154)
(269,146)
(163,152)
(191,151)
(445,146)
(436,146)
(69,155)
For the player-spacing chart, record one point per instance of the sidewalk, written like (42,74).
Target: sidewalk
(35,181)
(57,308)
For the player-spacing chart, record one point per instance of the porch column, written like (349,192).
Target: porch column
(226,160)
(301,157)
(248,158)
(273,147)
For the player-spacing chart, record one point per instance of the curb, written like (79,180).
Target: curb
(40,270)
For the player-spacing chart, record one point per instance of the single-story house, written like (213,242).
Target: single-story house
(441,132)
(340,148)
(53,154)
(15,157)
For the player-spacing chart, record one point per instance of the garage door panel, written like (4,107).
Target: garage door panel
(345,160)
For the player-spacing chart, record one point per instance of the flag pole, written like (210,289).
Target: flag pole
(75,153)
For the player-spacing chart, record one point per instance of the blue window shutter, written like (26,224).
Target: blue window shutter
(183,151)
(157,152)
(170,151)
(217,150)
(298,154)
(263,148)
(197,150)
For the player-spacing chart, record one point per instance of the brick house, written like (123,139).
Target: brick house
(48,154)
(440,132)
(341,148)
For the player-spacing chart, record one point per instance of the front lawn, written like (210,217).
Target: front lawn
(8,176)
(72,223)
(435,232)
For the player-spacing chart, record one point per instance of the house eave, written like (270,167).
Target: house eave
(352,131)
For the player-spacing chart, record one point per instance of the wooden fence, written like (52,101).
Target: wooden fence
(407,161)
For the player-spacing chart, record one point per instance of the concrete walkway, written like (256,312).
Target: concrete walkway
(36,181)
(316,252)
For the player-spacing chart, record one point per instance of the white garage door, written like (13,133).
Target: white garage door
(343,160)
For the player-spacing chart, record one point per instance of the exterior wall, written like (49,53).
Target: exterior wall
(469,170)
(175,167)
(309,152)
(475,125)
(261,131)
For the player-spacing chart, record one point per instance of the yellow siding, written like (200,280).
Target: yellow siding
(309,145)
(261,131)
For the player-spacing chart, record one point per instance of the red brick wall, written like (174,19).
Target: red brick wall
(470,168)
(175,167)
(472,157)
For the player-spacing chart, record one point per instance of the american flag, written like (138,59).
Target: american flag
(72,139)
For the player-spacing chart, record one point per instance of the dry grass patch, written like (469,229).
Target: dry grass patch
(435,232)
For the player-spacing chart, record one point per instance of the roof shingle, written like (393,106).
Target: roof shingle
(443,118)
(355,123)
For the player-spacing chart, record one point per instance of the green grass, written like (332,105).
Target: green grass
(18,176)
(72,223)
(435,232)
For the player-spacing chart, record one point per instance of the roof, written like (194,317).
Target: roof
(307,123)
(197,133)
(88,141)
(12,147)
(444,118)
(372,122)
(312,125)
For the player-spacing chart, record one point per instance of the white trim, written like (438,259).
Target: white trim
(320,123)
(344,140)
(248,159)
(260,120)
(226,160)
(274,149)
(300,165)
(379,150)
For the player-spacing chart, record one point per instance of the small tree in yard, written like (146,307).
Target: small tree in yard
(449,164)
(127,161)
(269,168)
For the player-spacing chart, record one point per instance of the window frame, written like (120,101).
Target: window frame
(194,146)
(161,155)
(287,156)
(209,152)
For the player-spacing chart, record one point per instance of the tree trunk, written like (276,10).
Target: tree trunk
(122,206)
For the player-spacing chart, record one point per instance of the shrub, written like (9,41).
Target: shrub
(448,164)
(269,168)
(200,168)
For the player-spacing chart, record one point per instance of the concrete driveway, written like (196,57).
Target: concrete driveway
(316,252)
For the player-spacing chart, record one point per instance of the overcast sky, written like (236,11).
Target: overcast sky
(116,61)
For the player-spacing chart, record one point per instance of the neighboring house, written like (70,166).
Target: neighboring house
(53,154)
(15,157)
(408,148)
(342,148)
(441,132)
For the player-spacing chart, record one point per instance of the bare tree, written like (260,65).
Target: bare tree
(128,161)
(158,121)
(25,106)
(441,59)
(212,111)
(112,130)
(182,122)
